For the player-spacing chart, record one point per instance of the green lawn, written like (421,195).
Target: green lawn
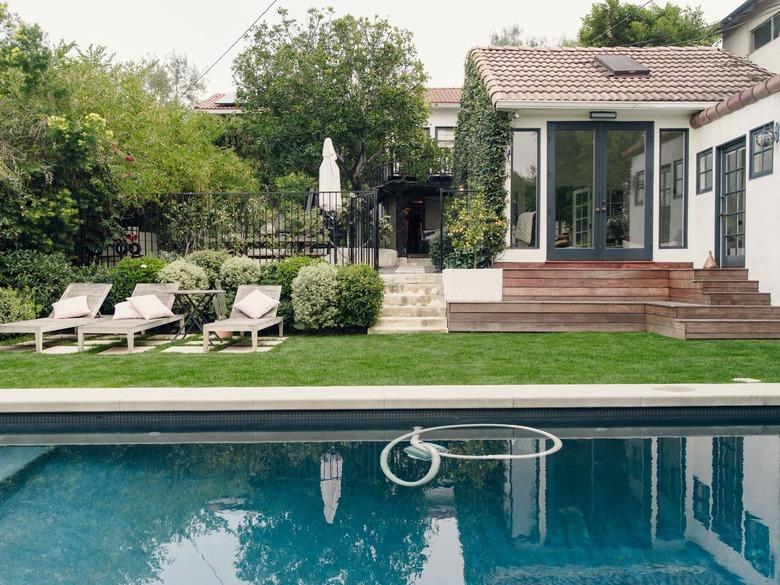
(416,359)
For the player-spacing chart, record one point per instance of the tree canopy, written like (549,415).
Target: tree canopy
(613,23)
(355,80)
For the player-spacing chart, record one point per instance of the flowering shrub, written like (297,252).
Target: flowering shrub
(237,271)
(186,274)
(211,261)
(475,231)
(314,298)
(283,273)
(13,307)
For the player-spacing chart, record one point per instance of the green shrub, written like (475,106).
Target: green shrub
(315,299)
(283,273)
(360,292)
(14,307)
(211,261)
(237,271)
(476,231)
(131,271)
(186,274)
(43,276)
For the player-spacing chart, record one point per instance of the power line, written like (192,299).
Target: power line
(612,26)
(230,48)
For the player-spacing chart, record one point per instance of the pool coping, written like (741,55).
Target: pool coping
(324,398)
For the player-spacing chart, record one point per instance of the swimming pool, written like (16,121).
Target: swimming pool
(654,505)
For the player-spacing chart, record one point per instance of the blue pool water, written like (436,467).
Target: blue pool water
(669,507)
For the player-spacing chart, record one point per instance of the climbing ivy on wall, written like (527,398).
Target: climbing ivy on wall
(482,139)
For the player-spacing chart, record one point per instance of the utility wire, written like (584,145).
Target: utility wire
(230,48)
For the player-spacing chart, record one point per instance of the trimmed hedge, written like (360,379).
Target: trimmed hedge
(131,271)
(186,274)
(314,298)
(360,294)
(211,261)
(283,273)
(43,276)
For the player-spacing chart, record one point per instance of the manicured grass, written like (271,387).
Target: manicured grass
(416,359)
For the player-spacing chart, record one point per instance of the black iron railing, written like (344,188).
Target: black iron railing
(341,227)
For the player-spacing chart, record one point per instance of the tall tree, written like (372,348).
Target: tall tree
(356,80)
(614,24)
(174,79)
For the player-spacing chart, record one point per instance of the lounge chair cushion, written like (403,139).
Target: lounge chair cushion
(150,307)
(256,304)
(71,308)
(125,310)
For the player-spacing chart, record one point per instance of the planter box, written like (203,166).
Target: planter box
(468,284)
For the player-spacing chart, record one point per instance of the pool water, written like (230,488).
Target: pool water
(669,507)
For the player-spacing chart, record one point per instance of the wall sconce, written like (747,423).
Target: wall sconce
(602,115)
(768,136)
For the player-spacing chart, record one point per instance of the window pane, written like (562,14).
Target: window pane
(625,189)
(525,229)
(574,189)
(704,172)
(776,26)
(761,148)
(762,34)
(672,194)
(445,137)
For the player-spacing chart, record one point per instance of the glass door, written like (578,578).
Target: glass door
(731,205)
(598,191)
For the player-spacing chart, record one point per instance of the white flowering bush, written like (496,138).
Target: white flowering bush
(315,297)
(237,271)
(186,274)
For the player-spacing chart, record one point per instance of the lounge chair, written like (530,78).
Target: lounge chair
(96,293)
(129,327)
(238,322)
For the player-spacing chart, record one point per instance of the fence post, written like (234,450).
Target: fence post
(441,228)
(375,237)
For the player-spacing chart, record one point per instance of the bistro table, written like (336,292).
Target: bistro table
(195,303)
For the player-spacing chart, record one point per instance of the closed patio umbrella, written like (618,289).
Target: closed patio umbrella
(330,179)
(331,465)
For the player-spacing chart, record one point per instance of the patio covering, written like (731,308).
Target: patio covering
(330,179)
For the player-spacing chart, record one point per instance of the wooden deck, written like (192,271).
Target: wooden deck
(671,299)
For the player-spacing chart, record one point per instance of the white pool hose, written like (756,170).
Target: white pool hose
(436,455)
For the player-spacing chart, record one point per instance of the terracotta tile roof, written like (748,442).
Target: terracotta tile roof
(738,101)
(210,105)
(677,74)
(443,95)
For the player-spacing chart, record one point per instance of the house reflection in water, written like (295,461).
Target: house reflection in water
(696,509)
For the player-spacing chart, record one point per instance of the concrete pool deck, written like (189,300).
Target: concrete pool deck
(323,398)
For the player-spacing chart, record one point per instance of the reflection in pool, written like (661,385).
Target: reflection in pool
(659,509)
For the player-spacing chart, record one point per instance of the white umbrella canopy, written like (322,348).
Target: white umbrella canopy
(331,465)
(330,179)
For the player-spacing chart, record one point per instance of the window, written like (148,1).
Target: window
(704,171)
(639,193)
(673,194)
(761,150)
(766,32)
(524,189)
(445,137)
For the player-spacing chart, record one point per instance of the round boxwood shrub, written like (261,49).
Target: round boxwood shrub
(360,293)
(15,307)
(315,299)
(237,271)
(211,261)
(131,271)
(43,276)
(283,273)
(186,274)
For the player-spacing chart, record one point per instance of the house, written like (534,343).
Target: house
(219,103)
(629,159)
(752,31)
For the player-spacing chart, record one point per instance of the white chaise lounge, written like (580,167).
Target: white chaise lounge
(129,327)
(240,323)
(96,293)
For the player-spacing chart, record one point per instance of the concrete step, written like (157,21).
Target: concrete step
(400,330)
(400,300)
(413,278)
(405,261)
(413,311)
(410,322)
(411,288)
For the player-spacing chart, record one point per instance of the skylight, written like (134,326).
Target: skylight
(621,65)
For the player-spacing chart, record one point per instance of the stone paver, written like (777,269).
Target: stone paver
(245,349)
(122,350)
(184,349)
(61,350)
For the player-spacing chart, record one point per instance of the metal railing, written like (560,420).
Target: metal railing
(340,227)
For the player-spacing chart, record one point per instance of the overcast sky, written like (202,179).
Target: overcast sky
(443,30)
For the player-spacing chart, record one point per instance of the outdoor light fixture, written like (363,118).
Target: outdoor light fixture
(768,136)
(603,115)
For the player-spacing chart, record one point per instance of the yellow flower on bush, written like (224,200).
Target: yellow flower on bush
(58,123)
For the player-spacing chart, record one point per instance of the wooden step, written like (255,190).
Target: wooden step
(715,311)
(739,298)
(587,281)
(598,265)
(584,273)
(708,286)
(721,274)
(732,328)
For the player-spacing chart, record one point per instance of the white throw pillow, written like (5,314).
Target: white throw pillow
(71,308)
(150,307)
(125,310)
(256,304)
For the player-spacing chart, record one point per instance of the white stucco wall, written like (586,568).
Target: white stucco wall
(442,116)
(738,41)
(762,197)
(463,284)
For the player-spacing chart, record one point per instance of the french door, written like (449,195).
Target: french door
(731,204)
(599,190)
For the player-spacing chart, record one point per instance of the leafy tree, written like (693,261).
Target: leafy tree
(174,79)
(355,80)
(613,24)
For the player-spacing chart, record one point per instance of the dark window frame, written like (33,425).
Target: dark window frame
(639,187)
(685,172)
(538,217)
(751,137)
(700,174)
(774,31)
